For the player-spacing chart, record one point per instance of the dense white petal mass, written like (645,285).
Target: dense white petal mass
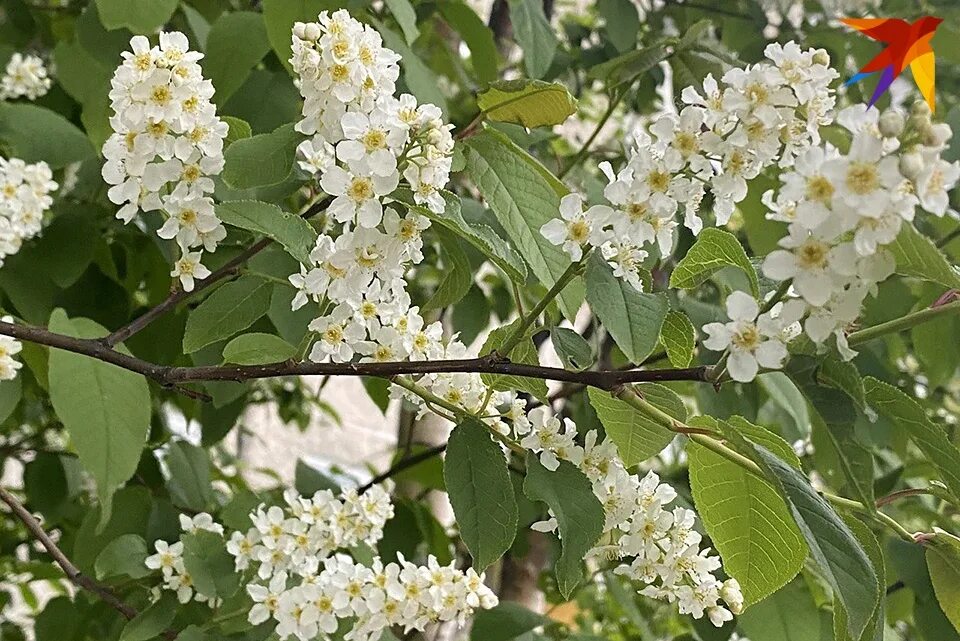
(166,146)
(25,76)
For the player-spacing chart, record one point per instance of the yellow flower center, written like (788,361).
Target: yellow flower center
(161,94)
(862,178)
(748,338)
(820,189)
(813,253)
(360,189)
(374,139)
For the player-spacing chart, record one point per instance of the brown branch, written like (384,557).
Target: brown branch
(177,294)
(402,465)
(73,573)
(172,377)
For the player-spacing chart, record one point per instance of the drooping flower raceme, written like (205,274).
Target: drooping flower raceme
(25,196)
(167,143)
(303,580)
(657,546)
(724,136)
(842,209)
(25,76)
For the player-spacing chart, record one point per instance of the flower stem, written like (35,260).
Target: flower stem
(900,324)
(527,320)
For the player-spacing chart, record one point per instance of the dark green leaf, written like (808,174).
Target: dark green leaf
(123,556)
(534,35)
(151,622)
(189,483)
(477,36)
(230,309)
(506,621)
(236,43)
(206,558)
(33,133)
(262,160)
(257,348)
(139,16)
(575,353)
(916,255)
(292,231)
(713,250)
(524,352)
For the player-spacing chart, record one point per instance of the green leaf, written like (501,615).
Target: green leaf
(629,65)
(534,34)
(713,250)
(189,483)
(916,255)
(419,78)
(104,408)
(123,556)
(679,338)
(33,133)
(308,481)
(262,160)
(402,11)
(292,231)
(236,43)
(842,562)
(523,199)
(230,309)
(874,629)
(789,615)
(575,353)
(785,394)
(481,493)
(498,251)
(239,129)
(637,436)
(907,414)
(523,352)
(11,392)
(457,273)
(746,517)
(476,35)
(151,622)
(844,376)
(506,621)
(279,16)
(139,16)
(569,494)
(632,318)
(622,22)
(206,558)
(943,562)
(257,348)
(530,103)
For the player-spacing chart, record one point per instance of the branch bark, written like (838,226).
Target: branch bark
(73,573)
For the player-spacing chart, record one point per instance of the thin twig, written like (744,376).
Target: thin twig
(73,573)
(402,465)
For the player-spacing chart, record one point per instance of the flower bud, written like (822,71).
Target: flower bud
(299,30)
(313,32)
(891,123)
(821,57)
(732,596)
(911,164)
(920,108)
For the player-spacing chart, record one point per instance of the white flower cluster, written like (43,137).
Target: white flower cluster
(843,208)
(364,144)
(24,198)
(166,145)
(169,560)
(658,546)
(309,590)
(758,116)
(9,347)
(24,77)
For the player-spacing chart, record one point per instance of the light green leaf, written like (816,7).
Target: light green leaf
(151,622)
(11,392)
(789,615)
(476,35)
(569,494)
(257,349)
(262,160)
(481,493)
(629,65)
(34,133)
(534,35)
(746,517)
(523,199)
(632,318)
(637,436)
(139,16)
(497,250)
(907,414)
(943,562)
(842,562)
(575,353)
(506,621)
(231,308)
(874,629)
(524,352)
(679,338)
(236,43)
(530,103)
(105,409)
(714,250)
(206,558)
(457,273)
(279,16)
(402,11)
(189,483)
(123,556)
(916,255)
(292,231)
(785,394)
(844,376)
(239,129)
